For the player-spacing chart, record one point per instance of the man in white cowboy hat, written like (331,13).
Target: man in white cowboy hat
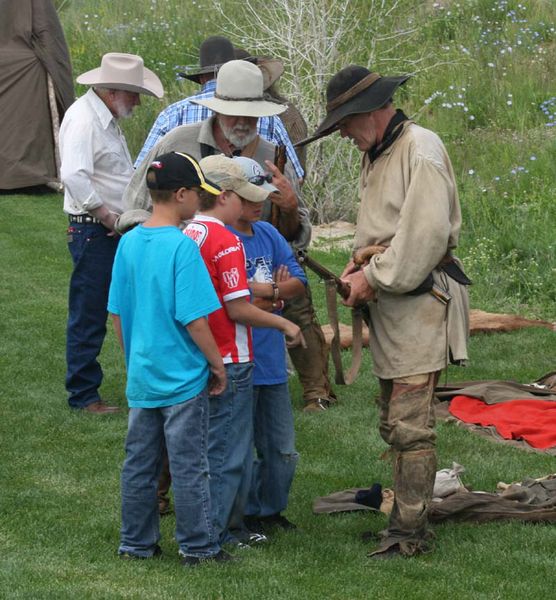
(415,288)
(239,101)
(95,169)
(213,53)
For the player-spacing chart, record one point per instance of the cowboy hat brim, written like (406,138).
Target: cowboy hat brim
(243,108)
(152,86)
(196,76)
(368,100)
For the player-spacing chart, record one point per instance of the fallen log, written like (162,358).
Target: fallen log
(479,321)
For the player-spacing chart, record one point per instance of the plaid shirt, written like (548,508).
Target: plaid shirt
(185,112)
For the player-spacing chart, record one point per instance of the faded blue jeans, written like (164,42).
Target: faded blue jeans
(274,467)
(230,444)
(183,429)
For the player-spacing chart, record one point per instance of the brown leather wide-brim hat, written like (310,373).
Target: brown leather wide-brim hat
(351,91)
(213,53)
(272,68)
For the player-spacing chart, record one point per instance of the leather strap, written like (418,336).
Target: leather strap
(335,346)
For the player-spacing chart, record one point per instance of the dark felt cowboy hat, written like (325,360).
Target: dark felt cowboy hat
(351,91)
(213,53)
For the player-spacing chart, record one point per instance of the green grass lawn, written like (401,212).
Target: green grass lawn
(59,496)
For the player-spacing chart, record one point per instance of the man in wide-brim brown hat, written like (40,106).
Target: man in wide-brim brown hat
(410,214)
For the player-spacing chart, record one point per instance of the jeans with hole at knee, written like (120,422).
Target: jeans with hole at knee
(277,458)
(230,442)
(92,251)
(183,429)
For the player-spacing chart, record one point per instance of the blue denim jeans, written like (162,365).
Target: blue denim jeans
(230,443)
(274,467)
(183,430)
(92,252)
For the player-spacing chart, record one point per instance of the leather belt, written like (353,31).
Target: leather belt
(82,219)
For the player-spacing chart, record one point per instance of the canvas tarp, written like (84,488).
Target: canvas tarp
(32,47)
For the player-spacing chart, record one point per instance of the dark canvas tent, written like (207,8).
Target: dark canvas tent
(36,88)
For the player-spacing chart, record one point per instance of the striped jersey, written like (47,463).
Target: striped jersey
(224,257)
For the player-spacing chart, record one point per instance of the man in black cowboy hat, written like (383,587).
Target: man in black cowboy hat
(213,53)
(415,288)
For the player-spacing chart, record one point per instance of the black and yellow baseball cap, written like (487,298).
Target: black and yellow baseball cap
(175,170)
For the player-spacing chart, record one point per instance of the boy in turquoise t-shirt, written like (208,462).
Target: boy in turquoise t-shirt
(159,299)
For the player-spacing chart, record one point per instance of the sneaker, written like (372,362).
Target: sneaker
(242,538)
(316,405)
(256,538)
(126,555)
(193,561)
(253,524)
(276,521)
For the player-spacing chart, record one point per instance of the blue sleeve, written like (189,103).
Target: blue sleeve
(195,294)
(114,292)
(283,255)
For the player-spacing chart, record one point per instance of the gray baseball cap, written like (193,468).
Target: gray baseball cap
(255,173)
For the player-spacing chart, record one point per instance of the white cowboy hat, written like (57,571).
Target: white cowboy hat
(120,71)
(239,92)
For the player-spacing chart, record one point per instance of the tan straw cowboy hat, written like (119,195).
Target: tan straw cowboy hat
(239,92)
(120,71)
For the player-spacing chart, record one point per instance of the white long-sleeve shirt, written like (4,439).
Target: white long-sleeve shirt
(96,165)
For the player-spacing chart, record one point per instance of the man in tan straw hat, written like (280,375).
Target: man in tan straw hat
(239,101)
(95,169)
(213,53)
(415,288)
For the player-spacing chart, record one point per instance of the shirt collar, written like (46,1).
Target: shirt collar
(102,111)
(208,219)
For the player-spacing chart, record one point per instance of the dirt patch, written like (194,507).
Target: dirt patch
(333,236)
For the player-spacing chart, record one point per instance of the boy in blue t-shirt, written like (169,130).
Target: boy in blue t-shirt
(274,275)
(159,299)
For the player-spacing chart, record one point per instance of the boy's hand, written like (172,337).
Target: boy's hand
(217,381)
(294,337)
(282,273)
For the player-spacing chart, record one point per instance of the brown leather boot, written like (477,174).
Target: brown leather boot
(407,534)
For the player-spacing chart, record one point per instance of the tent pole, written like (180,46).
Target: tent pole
(55,121)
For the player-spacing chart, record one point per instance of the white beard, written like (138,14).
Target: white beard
(239,136)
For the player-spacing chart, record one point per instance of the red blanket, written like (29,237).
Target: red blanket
(531,420)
